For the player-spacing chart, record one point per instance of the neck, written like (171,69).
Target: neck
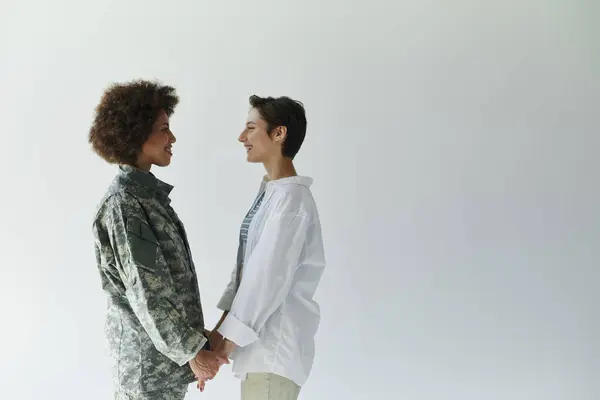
(142,165)
(282,167)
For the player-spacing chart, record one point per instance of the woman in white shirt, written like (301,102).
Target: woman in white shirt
(270,317)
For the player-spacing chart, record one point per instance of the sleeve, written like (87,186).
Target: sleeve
(149,286)
(228,295)
(267,277)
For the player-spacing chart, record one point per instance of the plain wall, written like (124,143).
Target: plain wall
(454,150)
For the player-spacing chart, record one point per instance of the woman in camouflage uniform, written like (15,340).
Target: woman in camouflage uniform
(155,325)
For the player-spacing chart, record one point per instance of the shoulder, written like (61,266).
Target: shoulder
(117,204)
(293,198)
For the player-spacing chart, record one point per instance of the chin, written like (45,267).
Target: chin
(252,159)
(163,163)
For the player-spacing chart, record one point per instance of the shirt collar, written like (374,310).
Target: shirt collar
(143,184)
(291,180)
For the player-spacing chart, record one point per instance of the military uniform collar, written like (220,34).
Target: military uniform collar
(143,184)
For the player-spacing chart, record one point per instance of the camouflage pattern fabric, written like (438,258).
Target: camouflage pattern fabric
(154,320)
(173,394)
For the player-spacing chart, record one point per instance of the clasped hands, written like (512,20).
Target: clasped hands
(206,364)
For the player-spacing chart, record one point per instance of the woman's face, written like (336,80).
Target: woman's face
(158,148)
(260,147)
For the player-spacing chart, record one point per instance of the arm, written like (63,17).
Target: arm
(214,337)
(224,304)
(266,280)
(226,300)
(148,283)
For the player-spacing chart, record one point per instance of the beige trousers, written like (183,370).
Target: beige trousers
(260,386)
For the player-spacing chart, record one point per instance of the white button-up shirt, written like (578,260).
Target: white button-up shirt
(273,317)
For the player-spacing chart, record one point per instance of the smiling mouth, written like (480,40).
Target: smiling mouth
(169,151)
(248,148)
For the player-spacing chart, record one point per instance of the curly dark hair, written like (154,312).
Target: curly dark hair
(125,117)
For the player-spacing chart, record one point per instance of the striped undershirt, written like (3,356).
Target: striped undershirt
(244,233)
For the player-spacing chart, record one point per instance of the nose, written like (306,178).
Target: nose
(242,137)
(172,138)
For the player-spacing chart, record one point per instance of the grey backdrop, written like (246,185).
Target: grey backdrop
(454,150)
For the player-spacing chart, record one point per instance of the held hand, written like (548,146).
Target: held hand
(215,340)
(206,364)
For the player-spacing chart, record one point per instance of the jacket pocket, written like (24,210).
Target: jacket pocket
(143,244)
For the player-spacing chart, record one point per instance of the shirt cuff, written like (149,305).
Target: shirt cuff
(236,331)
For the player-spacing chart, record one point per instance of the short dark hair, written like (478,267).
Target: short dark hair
(283,111)
(125,117)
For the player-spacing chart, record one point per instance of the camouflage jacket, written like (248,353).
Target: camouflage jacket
(154,321)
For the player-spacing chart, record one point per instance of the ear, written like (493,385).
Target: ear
(280,134)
